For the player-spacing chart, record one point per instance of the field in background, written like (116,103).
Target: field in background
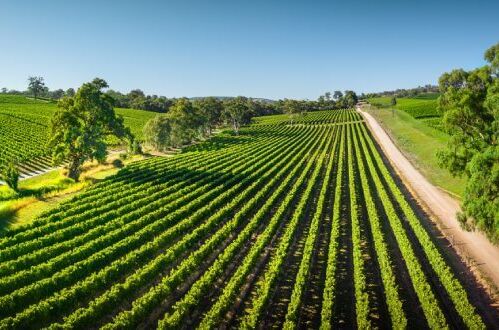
(24,128)
(423,107)
(292,222)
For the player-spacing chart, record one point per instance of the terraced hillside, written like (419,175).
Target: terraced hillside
(24,130)
(286,224)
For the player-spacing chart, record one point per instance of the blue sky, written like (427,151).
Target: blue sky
(272,49)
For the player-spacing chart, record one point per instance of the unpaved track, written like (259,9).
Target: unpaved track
(472,246)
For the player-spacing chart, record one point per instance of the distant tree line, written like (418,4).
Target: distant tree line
(38,90)
(189,120)
(137,99)
(401,92)
(338,100)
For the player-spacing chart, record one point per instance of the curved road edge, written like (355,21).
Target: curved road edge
(473,247)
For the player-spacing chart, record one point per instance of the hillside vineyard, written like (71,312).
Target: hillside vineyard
(292,223)
(24,131)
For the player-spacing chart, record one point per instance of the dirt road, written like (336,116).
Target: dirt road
(470,245)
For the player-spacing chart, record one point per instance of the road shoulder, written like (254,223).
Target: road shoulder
(473,247)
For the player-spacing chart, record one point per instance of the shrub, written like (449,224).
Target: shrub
(118,163)
(11,176)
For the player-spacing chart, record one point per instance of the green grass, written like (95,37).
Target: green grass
(37,185)
(419,143)
(32,199)
(43,192)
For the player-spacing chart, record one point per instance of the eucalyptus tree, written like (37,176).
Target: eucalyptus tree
(469,103)
(79,128)
(36,86)
(237,112)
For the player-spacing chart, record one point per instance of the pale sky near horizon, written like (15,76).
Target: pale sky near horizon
(270,49)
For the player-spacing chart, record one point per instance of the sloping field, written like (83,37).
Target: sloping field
(24,129)
(296,225)
(418,107)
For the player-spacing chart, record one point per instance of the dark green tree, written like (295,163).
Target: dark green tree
(185,122)
(337,95)
(237,112)
(321,101)
(469,103)
(81,124)
(36,86)
(393,101)
(69,92)
(349,99)
(211,109)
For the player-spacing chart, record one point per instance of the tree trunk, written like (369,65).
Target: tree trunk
(236,126)
(74,170)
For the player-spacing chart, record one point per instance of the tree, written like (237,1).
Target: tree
(4,90)
(349,99)
(157,132)
(292,108)
(211,109)
(11,176)
(137,99)
(36,86)
(337,95)
(321,101)
(181,125)
(492,56)
(69,92)
(57,94)
(237,112)
(185,122)
(469,103)
(81,124)
(327,96)
(393,101)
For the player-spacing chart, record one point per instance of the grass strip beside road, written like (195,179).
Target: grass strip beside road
(419,143)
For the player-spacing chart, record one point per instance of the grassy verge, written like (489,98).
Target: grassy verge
(419,143)
(41,193)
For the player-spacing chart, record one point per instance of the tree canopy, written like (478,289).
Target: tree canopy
(157,132)
(294,107)
(81,124)
(469,103)
(210,108)
(36,86)
(340,100)
(237,112)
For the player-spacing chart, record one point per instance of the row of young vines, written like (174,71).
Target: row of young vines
(227,237)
